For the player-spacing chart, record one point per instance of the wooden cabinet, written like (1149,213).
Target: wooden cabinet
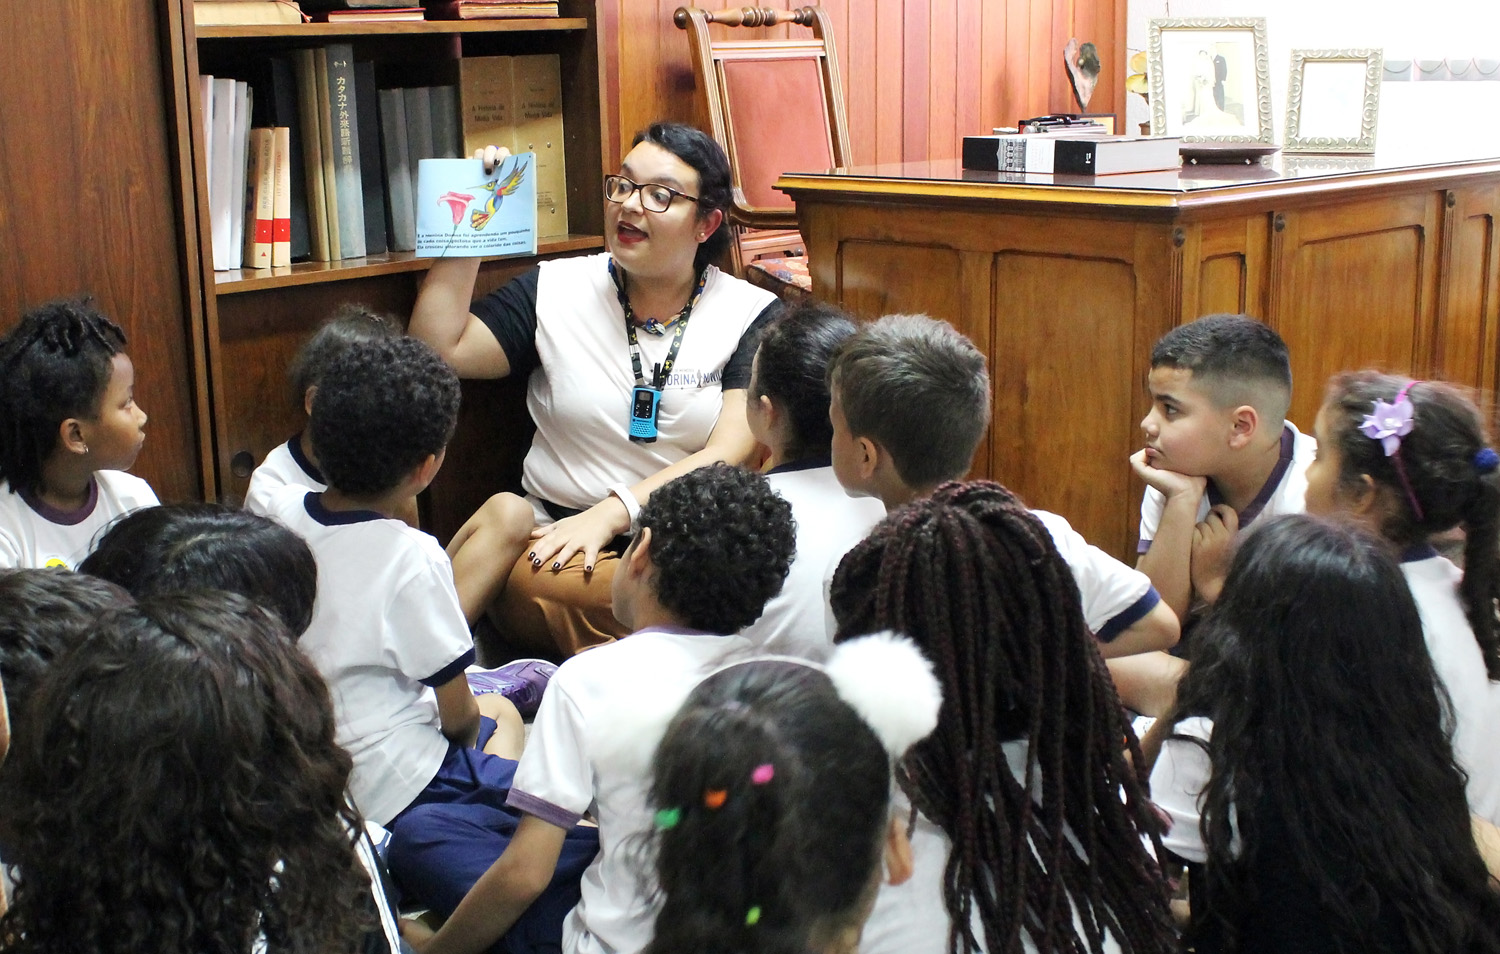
(254,320)
(1066,283)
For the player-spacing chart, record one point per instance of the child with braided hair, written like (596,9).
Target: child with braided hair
(69,427)
(1410,459)
(1031,827)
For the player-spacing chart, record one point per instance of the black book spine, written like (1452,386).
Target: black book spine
(1074,157)
(282,107)
(372,183)
(982,153)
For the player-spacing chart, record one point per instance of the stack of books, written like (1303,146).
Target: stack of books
(489,9)
(1086,155)
(245,12)
(369,15)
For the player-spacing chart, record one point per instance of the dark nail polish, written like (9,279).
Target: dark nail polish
(557,566)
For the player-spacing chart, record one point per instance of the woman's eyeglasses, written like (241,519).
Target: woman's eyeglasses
(655,197)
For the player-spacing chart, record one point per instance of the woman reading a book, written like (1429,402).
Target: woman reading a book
(637,361)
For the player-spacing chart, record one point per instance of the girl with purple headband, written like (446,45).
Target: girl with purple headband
(1409,460)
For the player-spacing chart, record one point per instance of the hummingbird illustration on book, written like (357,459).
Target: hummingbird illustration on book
(500,187)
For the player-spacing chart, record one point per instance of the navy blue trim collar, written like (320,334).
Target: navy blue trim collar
(1421,551)
(806,463)
(294,447)
(1263,496)
(313,503)
(64,518)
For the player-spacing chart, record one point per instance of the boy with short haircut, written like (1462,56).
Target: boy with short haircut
(713,546)
(910,399)
(1219,451)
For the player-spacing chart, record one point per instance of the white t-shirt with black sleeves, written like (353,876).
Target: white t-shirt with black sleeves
(284,466)
(386,630)
(35,535)
(798,620)
(561,775)
(562,325)
(1283,492)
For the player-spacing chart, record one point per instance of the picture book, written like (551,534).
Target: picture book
(462,211)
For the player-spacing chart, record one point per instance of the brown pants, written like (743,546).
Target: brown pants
(559,612)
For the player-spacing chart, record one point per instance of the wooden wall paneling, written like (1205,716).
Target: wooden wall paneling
(86,161)
(944,79)
(1469,317)
(1376,259)
(916,76)
(971,77)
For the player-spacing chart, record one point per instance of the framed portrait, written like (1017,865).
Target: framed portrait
(1333,99)
(1210,79)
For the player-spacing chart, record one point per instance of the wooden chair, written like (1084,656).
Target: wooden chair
(775,106)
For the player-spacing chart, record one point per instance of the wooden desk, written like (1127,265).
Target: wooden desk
(1066,282)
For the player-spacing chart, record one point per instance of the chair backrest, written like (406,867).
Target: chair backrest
(774,105)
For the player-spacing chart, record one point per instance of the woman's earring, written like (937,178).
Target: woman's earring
(85,448)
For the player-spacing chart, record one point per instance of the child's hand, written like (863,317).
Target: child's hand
(1168,482)
(491,156)
(1213,544)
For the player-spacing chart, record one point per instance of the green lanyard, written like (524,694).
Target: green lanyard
(664,370)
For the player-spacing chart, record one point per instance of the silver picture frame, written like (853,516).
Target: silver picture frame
(1333,101)
(1210,79)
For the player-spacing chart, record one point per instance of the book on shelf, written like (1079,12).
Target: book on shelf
(488,9)
(260,198)
(464,211)
(245,12)
(281,199)
(516,102)
(239,166)
(447,134)
(276,107)
(220,108)
(381,15)
(400,212)
(305,63)
(330,6)
(1091,155)
(418,130)
(371,184)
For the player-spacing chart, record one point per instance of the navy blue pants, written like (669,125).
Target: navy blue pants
(455,829)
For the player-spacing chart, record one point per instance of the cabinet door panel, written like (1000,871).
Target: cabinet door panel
(1469,324)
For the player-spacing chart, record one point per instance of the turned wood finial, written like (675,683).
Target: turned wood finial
(748,16)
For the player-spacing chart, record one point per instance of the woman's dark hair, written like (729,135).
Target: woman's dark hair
(1328,729)
(791,368)
(54,365)
(194,546)
(44,614)
(699,150)
(780,866)
(705,521)
(975,580)
(186,794)
(349,324)
(1441,463)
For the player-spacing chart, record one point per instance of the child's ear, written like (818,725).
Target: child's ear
(70,436)
(637,556)
(307,399)
(898,857)
(428,469)
(1244,424)
(1364,499)
(869,459)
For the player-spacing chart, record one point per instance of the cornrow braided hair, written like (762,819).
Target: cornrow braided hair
(976,581)
(55,364)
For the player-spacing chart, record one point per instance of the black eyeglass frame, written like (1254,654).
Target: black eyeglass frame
(638,186)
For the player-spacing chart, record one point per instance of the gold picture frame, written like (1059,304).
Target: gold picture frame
(1210,79)
(1333,101)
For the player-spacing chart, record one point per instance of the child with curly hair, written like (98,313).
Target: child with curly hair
(143,814)
(69,428)
(713,546)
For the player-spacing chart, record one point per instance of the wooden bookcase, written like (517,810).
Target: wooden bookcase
(254,320)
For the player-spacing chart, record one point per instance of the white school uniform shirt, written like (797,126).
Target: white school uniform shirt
(579,393)
(386,629)
(560,776)
(1178,779)
(284,466)
(34,535)
(1460,668)
(798,621)
(1283,491)
(1114,596)
(912,918)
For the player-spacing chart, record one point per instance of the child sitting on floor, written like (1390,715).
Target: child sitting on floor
(69,427)
(296,462)
(910,402)
(1032,831)
(184,793)
(1410,459)
(714,545)
(788,411)
(1310,781)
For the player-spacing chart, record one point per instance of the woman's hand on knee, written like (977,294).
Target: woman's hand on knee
(588,532)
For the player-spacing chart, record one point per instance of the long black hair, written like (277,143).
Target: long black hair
(699,150)
(1328,729)
(975,580)
(791,368)
(54,365)
(772,796)
(186,794)
(1453,482)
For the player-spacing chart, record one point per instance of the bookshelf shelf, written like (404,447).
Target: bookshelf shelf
(313,31)
(241,280)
